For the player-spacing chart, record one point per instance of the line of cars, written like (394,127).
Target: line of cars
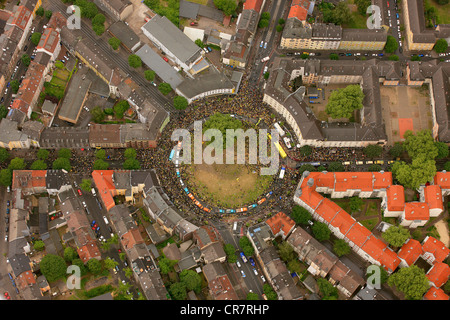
(252,262)
(8,210)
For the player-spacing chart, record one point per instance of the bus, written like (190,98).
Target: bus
(280,131)
(279,147)
(282,172)
(235,226)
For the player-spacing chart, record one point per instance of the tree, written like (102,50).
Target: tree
(61,163)
(97,114)
(419,172)
(396,150)
(264,21)
(412,281)
(17,164)
(164,88)
(279,28)
(53,267)
(391,44)
(3,112)
(35,38)
(70,254)
(441,46)
(149,75)
(416,58)
(341,247)
(305,150)
(5,177)
(246,246)
(42,154)
(39,245)
(230,252)
(200,43)
(222,122)
(374,168)
(38,165)
(306,167)
(178,291)
(166,265)
(99,29)
(65,153)
(180,103)
(191,280)
(269,292)
(15,86)
(100,164)
(335,167)
(100,154)
(281,21)
(356,203)
(442,148)
(227,6)
(422,143)
(300,215)
(252,296)
(383,274)
(266,75)
(78,262)
(341,14)
(130,153)
(86,185)
(396,235)
(99,19)
(286,252)
(442,2)
(94,266)
(40,11)
(4,155)
(327,290)
(26,60)
(321,231)
(48,14)
(128,272)
(114,43)
(334,56)
(134,61)
(120,108)
(394,57)
(362,6)
(131,164)
(110,263)
(373,150)
(343,102)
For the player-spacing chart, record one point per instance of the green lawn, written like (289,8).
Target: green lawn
(369,223)
(358,21)
(443,12)
(372,209)
(202,2)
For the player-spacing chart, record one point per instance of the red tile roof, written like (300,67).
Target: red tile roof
(253,5)
(442,179)
(280,223)
(382,180)
(358,234)
(131,238)
(343,221)
(89,251)
(433,197)
(299,9)
(49,40)
(436,294)
(328,209)
(353,181)
(435,247)
(105,185)
(410,251)
(323,179)
(21,17)
(395,198)
(417,211)
(439,274)
(29,179)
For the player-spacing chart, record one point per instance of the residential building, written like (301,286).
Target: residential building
(50,43)
(75,98)
(11,137)
(128,38)
(116,9)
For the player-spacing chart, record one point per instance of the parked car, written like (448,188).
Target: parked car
(263,279)
(243,273)
(261,44)
(255,272)
(79,192)
(194,23)
(252,262)
(165,59)
(238,264)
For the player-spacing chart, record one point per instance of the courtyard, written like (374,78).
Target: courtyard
(405,108)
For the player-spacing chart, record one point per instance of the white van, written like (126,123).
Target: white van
(106,219)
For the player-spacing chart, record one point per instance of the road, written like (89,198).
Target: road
(252,281)
(152,93)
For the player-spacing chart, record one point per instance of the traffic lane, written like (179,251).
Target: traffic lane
(252,281)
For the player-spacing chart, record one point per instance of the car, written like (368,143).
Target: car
(194,23)
(263,279)
(357,54)
(348,54)
(238,264)
(10,276)
(388,4)
(265,69)
(381,54)
(93,222)
(2,99)
(63,61)
(261,44)
(25,48)
(255,272)
(265,45)
(420,55)
(79,192)
(206,50)
(165,59)
(8,84)
(84,204)
(318,54)
(95,226)
(8,203)
(310,222)
(7,297)
(252,262)
(123,281)
(125,264)
(209,49)
(154,84)
(342,54)
(243,273)
(6,238)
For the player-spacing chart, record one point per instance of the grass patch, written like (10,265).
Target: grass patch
(443,11)
(165,242)
(372,209)
(343,203)
(369,223)
(357,21)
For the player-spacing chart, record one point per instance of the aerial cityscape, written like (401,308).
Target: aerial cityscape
(211,150)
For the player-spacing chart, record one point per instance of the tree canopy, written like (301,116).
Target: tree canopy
(396,235)
(62,163)
(114,43)
(180,103)
(341,247)
(300,215)
(53,267)
(441,46)
(134,61)
(343,102)
(191,280)
(391,44)
(412,281)
(227,6)
(246,246)
(321,231)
